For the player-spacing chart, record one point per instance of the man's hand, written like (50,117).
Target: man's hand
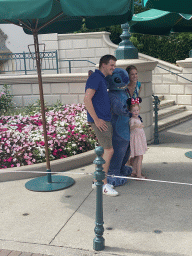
(101,124)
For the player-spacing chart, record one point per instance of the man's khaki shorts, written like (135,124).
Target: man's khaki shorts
(104,137)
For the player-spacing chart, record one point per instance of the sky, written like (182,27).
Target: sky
(17,41)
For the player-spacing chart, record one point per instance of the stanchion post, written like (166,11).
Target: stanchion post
(99,241)
(156,133)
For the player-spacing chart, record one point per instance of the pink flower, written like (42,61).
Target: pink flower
(9,159)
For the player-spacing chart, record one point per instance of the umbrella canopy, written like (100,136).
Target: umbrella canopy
(156,22)
(178,6)
(63,16)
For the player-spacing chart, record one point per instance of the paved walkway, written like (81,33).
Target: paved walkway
(148,218)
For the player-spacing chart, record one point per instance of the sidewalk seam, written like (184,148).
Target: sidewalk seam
(70,217)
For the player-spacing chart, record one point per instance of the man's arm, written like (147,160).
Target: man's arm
(100,123)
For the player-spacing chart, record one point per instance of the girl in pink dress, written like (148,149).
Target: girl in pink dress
(138,142)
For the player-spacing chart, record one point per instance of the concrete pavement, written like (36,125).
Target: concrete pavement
(147,218)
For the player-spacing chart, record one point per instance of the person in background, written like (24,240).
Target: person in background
(134,87)
(99,115)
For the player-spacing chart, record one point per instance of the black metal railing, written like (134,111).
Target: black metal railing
(25,62)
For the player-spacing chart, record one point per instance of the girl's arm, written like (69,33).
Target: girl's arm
(134,125)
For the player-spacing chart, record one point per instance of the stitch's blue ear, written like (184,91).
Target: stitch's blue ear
(118,80)
(109,81)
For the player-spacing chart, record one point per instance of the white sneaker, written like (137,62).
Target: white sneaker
(94,185)
(107,190)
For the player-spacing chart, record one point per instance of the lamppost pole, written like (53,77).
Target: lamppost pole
(99,241)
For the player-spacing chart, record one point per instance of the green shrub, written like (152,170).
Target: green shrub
(168,48)
(5,100)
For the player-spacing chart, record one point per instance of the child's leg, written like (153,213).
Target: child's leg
(134,165)
(139,166)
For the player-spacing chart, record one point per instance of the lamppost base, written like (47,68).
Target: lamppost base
(98,243)
(189,154)
(41,184)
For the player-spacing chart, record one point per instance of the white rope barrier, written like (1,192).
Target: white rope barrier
(80,173)
(161,181)
(113,176)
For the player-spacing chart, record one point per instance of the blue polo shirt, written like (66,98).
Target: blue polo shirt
(100,100)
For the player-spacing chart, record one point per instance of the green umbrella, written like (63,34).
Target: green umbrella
(157,22)
(60,16)
(178,6)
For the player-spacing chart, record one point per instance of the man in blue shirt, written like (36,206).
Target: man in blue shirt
(97,104)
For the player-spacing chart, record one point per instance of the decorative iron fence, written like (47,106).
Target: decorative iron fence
(25,62)
(70,62)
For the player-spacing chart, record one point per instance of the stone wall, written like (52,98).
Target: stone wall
(168,80)
(67,88)
(81,46)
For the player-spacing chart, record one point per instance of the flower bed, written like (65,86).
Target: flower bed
(22,141)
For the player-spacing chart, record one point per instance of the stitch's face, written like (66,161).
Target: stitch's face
(118,81)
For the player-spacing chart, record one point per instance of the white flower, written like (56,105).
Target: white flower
(62,123)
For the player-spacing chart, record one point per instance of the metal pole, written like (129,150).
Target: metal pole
(36,43)
(99,241)
(69,66)
(57,64)
(25,63)
(156,133)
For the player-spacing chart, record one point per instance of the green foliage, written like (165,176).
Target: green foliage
(36,108)
(168,48)
(31,109)
(5,100)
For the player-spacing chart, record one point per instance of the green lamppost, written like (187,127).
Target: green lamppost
(126,49)
(156,102)
(99,241)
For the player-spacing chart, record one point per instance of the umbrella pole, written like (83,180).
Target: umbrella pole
(49,183)
(37,56)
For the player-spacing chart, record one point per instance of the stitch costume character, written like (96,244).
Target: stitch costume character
(120,122)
